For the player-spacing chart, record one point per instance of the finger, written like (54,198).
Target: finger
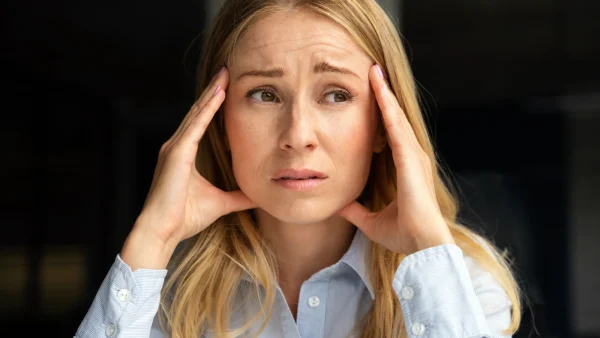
(186,147)
(360,216)
(220,79)
(199,123)
(237,201)
(182,154)
(399,130)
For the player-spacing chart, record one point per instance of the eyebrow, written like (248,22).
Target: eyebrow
(322,67)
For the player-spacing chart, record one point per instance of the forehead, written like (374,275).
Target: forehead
(280,36)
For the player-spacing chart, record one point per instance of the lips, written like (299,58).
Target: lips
(298,174)
(302,178)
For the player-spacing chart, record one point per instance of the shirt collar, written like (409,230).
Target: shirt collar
(357,257)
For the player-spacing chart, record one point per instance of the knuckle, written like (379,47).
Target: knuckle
(200,122)
(203,125)
(164,147)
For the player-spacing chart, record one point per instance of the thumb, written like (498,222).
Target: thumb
(360,216)
(237,201)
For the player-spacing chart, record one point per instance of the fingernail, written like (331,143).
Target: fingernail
(216,90)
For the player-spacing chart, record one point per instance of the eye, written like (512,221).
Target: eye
(339,96)
(262,95)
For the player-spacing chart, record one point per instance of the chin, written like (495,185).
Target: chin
(301,211)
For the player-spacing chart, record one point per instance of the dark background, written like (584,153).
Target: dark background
(92,89)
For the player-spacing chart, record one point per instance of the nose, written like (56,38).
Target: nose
(299,132)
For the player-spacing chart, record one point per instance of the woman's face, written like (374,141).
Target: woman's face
(299,98)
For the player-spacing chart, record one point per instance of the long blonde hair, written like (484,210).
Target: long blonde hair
(205,276)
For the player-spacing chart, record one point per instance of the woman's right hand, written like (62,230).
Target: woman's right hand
(181,202)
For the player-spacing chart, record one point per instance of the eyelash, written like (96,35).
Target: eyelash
(341,90)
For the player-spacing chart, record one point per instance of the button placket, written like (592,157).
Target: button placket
(310,319)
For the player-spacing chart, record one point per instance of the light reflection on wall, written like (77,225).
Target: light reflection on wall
(62,279)
(13,269)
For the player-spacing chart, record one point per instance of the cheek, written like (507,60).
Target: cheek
(354,140)
(354,134)
(245,129)
(246,137)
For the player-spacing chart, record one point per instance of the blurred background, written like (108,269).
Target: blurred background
(511,90)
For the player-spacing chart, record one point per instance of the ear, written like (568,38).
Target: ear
(380,138)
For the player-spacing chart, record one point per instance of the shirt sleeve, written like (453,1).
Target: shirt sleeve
(445,294)
(125,305)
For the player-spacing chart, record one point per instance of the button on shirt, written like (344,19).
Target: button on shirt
(442,292)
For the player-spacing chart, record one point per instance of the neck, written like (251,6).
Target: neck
(304,249)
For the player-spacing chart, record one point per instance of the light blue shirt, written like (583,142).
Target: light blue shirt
(443,294)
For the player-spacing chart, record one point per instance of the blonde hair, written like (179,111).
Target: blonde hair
(205,276)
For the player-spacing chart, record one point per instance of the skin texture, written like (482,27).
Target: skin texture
(301,119)
(296,122)
(298,118)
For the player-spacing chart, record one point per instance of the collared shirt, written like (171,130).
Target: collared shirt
(443,293)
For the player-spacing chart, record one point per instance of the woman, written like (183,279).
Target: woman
(307,191)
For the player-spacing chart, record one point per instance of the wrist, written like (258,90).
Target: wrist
(144,249)
(426,243)
(434,238)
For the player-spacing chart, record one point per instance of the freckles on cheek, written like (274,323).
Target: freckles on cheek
(246,136)
(353,135)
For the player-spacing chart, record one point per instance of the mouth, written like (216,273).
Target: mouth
(298,175)
(297,179)
(304,179)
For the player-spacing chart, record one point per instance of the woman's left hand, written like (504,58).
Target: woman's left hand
(413,221)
